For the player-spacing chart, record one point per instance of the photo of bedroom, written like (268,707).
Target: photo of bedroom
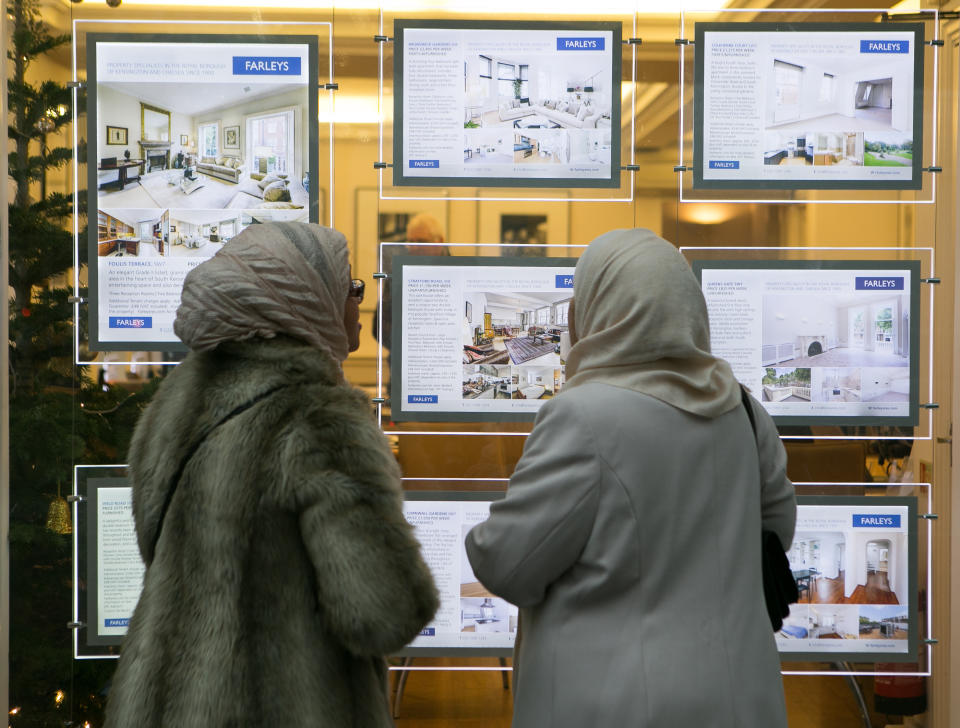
(202,146)
(488,146)
(863,329)
(515,328)
(132,233)
(886,622)
(538,382)
(786,384)
(536,90)
(489,381)
(862,567)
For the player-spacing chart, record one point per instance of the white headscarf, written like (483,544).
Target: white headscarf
(274,278)
(641,323)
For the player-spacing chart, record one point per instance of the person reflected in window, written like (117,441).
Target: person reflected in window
(424,236)
(280,569)
(630,534)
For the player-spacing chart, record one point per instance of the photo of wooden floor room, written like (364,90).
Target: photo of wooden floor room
(786,384)
(142,233)
(868,329)
(859,567)
(514,328)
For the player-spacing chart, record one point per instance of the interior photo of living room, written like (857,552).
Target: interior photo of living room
(833,330)
(822,110)
(527,91)
(132,233)
(202,146)
(843,568)
(514,328)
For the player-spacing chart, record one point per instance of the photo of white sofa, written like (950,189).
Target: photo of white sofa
(535,90)
(176,155)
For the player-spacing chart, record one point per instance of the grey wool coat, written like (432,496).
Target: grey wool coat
(285,570)
(630,538)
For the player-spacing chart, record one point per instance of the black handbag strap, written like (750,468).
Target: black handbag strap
(745,398)
(175,481)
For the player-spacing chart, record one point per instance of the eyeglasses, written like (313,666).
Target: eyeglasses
(356,289)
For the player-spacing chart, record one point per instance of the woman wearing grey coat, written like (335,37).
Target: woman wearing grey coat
(281,570)
(630,532)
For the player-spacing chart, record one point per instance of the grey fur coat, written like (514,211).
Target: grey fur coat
(285,570)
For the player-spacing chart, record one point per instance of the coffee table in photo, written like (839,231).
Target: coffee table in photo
(190,184)
(535,121)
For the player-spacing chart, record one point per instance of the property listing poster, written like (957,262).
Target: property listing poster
(808,105)
(510,104)
(119,568)
(834,341)
(469,616)
(853,565)
(479,338)
(196,137)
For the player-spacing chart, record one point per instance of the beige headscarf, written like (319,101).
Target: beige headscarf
(275,278)
(641,323)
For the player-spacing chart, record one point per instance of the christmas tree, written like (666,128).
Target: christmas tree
(58,417)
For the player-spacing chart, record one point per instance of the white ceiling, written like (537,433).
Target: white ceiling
(194,99)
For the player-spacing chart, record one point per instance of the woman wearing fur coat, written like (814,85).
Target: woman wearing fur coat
(280,569)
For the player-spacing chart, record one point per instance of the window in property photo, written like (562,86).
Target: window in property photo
(543,316)
(787,78)
(826,88)
(524,81)
(857,327)
(486,67)
(506,73)
(883,326)
(209,146)
(270,137)
(563,309)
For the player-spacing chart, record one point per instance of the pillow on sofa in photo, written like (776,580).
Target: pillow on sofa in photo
(515,103)
(584,110)
(562,106)
(220,160)
(573,108)
(268,180)
(228,162)
(549,104)
(207,160)
(276,192)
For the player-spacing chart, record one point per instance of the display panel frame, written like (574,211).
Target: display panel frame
(909,503)
(400,412)
(440,497)
(90,482)
(401,179)
(915,181)
(912,418)
(307,133)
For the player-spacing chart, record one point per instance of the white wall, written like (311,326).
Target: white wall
(798,316)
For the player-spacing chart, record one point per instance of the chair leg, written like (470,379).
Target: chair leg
(505,674)
(401,684)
